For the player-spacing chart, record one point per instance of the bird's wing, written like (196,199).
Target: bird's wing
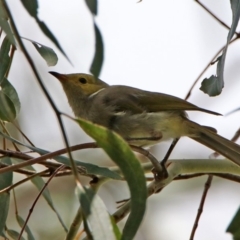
(136,101)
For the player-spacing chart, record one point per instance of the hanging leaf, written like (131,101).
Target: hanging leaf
(92,6)
(14,234)
(96,66)
(5,181)
(21,223)
(100,222)
(233,227)
(9,101)
(32,8)
(120,152)
(5,60)
(47,53)
(4,24)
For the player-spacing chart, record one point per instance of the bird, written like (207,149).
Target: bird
(142,118)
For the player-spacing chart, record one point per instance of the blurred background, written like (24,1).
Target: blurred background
(154,45)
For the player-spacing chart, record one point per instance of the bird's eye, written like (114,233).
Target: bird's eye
(83,80)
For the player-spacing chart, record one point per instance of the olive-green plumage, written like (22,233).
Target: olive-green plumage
(141,117)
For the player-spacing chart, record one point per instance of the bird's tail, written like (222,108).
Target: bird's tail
(208,137)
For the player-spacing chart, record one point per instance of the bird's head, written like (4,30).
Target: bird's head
(79,83)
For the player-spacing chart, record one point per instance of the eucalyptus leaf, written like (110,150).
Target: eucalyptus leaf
(97,62)
(92,6)
(233,227)
(86,196)
(9,101)
(14,234)
(32,7)
(5,60)
(99,221)
(120,152)
(47,53)
(5,181)
(21,223)
(4,24)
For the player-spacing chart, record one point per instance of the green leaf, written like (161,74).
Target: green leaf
(90,168)
(116,230)
(21,223)
(99,55)
(120,152)
(5,25)
(213,86)
(47,53)
(86,196)
(5,181)
(99,221)
(5,60)
(32,7)
(92,6)
(234,226)
(9,101)
(14,234)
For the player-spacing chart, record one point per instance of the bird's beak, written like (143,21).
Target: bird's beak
(59,76)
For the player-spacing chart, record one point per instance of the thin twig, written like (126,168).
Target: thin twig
(214,16)
(7,189)
(47,156)
(200,209)
(24,135)
(35,202)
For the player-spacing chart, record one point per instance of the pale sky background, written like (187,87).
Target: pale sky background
(154,45)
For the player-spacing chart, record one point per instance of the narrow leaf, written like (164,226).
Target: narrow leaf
(120,152)
(9,101)
(5,181)
(27,229)
(99,221)
(92,6)
(47,53)
(96,65)
(14,234)
(32,8)
(5,60)
(233,227)
(86,196)
(4,24)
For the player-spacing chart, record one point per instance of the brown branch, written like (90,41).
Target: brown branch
(200,209)
(47,156)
